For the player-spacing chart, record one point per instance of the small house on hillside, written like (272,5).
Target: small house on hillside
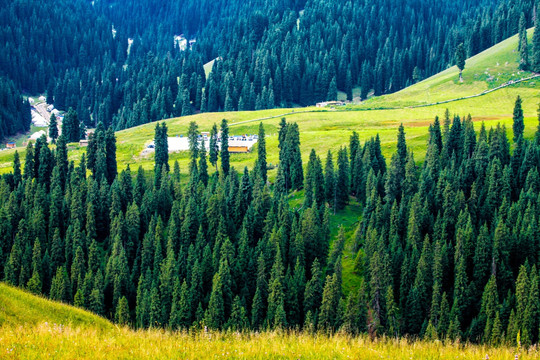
(11,145)
(238,149)
(83,143)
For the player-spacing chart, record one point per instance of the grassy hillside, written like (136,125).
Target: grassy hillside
(34,328)
(18,307)
(487,70)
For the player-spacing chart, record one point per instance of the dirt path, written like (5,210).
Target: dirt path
(42,110)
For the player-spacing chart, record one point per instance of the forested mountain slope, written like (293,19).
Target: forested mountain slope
(272,54)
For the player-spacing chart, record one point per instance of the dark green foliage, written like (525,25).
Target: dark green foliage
(518,125)
(523,45)
(71,126)
(122,312)
(15,116)
(53,128)
(342,180)
(535,55)
(261,155)
(224,152)
(214,149)
(161,145)
(193,135)
(460,58)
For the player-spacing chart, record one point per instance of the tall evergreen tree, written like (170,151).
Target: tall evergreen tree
(53,128)
(214,150)
(261,154)
(459,59)
(518,125)
(535,58)
(224,153)
(523,46)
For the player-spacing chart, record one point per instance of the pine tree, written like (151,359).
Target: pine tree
(122,312)
(258,312)
(261,154)
(215,314)
(17,177)
(35,282)
(181,307)
(186,104)
(459,59)
(342,181)
(535,58)
(53,128)
(518,125)
(161,148)
(523,46)
(330,301)
(110,149)
(214,149)
(332,90)
(224,153)
(314,289)
(293,157)
(489,307)
(238,320)
(329,179)
(203,164)
(276,297)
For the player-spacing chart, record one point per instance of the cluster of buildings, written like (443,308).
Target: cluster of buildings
(237,143)
(329,103)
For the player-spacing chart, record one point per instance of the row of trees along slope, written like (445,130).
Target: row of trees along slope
(449,249)
(270,54)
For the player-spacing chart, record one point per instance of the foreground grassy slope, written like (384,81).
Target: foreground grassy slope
(47,330)
(21,308)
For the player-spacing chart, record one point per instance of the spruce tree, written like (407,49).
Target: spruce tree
(329,305)
(203,165)
(518,125)
(110,149)
(261,154)
(215,314)
(329,179)
(523,46)
(342,181)
(224,153)
(535,58)
(122,316)
(332,90)
(17,177)
(459,59)
(214,149)
(53,128)
(35,282)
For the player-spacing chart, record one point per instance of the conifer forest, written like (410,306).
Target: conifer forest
(430,234)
